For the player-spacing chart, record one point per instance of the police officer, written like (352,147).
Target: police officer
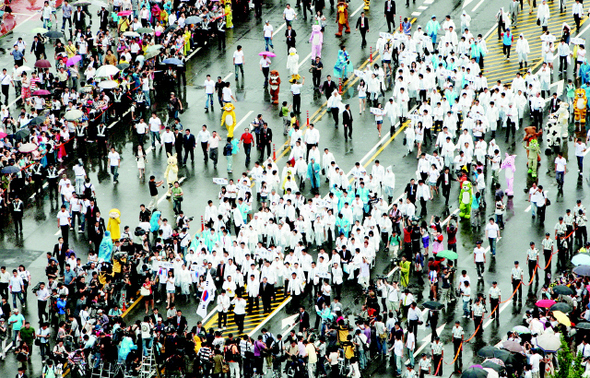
(17,214)
(458,334)
(495,295)
(533,261)
(517,277)
(52,176)
(37,172)
(437,349)
(101,139)
(81,138)
(477,312)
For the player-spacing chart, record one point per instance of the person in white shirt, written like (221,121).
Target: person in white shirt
(580,153)
(155,126)
(238,60)
(268,34)
(560,166)
(289,14)
(209,91)
(223,304)
(114,162)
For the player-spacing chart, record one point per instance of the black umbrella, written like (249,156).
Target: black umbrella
(582,270)
(492,352)
(22,133)
(122,66)
(170,28)
(53,34)
(583,325)
(474,372)
(10,169)
(562,306)
(492,365)
(432,305)
(563,290)
(514,359)
(37,121)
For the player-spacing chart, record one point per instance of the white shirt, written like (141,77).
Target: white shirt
(560,164)
(492,230)
(63,218)
(155,124)
(268,29)
(114,158)
(289,14)
(479,254)
(580,149)
(238,57)
(209,86)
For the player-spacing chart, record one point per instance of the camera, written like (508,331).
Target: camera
(190,219)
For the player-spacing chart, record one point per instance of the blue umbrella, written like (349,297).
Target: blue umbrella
(173,61)
(10,169)
(581,259)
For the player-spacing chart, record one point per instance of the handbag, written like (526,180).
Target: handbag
(38,342)
(144,292)
(538,22)
(548,202)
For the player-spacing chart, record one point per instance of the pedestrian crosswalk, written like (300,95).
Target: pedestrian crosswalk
(252,320)
(496,67)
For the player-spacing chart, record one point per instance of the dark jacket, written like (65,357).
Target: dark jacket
(266,136)
(328,88)
(362,28)
(347,117)
(189,141)
(291,39)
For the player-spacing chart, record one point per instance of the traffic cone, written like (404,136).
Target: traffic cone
(308,118)
(401,29)
(340,85)
(371,54)
(274,152)
(202,224)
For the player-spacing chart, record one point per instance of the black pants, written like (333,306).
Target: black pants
(65,233)
(501,28)
(518,295)
(423,207)
(221,317)
(18,222)
(204,148)
(348,131)
(563,63)
(252,302)
(478,325)
(494,305)
(41,305)
(5,93)
(264,146)
(265,71)
(547,255)
(297,103)
(577,20)
(190,151)
(363,39)
(316,76)
(239,319)
(537,117)
(541,213)
(4,290)
(335,112)
(510,126)
(506,50)
(480,268)
(532,264)
(390,22)
(457,345)
(437,365)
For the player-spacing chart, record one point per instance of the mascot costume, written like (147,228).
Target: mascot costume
(293,65)
(114,224)
(317,41)
(229,23)
(171,173)
(274,82)
(563,116)
(510,167)
(342,18)
(533,150)
(465,198)
(229,119)
(580,103)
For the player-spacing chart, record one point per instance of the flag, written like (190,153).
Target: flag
(207,296)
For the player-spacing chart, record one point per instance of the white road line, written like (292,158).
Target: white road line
(357,10)
(166,195)
(585,29)
(477,6)
(58,232)
(586,152)
(272,314)
(228,76)
(306,59)
(416,14)
(498,312)
(149,149)
(22,23)
(426,340)
(428,1)
(422,7)
(527,209)
(449,217)
(284,24)
(193,53)
(244,118)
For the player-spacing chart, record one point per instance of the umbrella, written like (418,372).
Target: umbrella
(122,66)
(108,84)
(432,305)
(582,270)
(170,28)
(563,290)
(73,115)
(87,89)
(10,169)
(562,306)
(267,53)
(54,34)
(173,61)
(22,69)
(36,121)
(73,60)
(193,20)
(39,31)
(42,63)
(492,373)
(145,30)
(106,71)
(581,259)
(583,325)
(548,342)
(474,372)
(155,47)
(3,135)
(562,318)
(81,3)
(492,352)
(22,133)
(27,147)
(492,365)
(545,303)
(41,92)
(512,346)
(124,13)
(521,330)
(131,34)
(151,54)
(447,254)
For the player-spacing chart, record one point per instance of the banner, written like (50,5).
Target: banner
(219,181)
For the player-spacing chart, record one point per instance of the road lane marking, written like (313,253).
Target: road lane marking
(357,10)
(477,6)
(166,195)
(304,60)
(416,14)
(25,21)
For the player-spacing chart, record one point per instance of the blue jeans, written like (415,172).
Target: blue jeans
(466,308)
(45,22)
(147,344)
(559,178)
(19,295)
(534,208)
(398,364)
(492,245)
(239,67)
(410,356)
(148,100)
(115,172)
(79,184)
(155,135)
(362,359)
(209,100)
(381,346)
(267,42)
(247,150)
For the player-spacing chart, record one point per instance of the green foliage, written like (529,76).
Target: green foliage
(570,366)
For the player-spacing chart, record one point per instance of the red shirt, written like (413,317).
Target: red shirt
(247,138)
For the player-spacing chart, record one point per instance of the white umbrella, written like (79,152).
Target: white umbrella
(73,115)
(106,71)
(131,34)
(22,69)
(27,147)
(492,373)
(549,342)
(108,84)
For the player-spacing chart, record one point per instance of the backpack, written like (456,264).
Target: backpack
(227,149)
(88,190)
(230,355)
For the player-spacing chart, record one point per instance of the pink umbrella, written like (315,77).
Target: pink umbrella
(124,13)
(73,60)
(267,53)
(545,303)
(41,92)
(3,135)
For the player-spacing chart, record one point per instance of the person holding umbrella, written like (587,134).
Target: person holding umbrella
(265,65)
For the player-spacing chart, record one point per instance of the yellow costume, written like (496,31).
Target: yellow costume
(229,118)
(228,16)
(171,173)
(187,42)
(114,224)
(342,18)
(580,103)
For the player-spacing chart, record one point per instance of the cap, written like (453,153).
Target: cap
(266,22)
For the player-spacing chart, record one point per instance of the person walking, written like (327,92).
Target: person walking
(362,24)
(507,39)
(265,68)
(479,258)
(265,141)
(560,167)
(189,143)
(532,261)
(495,296)
(114,160)
(153,186)
(290,37)
(213,147)
(18,208)
(247,139)
(209,91)
(203,137)
(268,31)
(296,91)
(543,15)
(580,153)
(64,223)
(238,60)
(578,13)
(517,277)
(389,14)
(492,233)
(177,197)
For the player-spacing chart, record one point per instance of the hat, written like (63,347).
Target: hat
(266,22)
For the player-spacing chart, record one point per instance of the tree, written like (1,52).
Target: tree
(570,366)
